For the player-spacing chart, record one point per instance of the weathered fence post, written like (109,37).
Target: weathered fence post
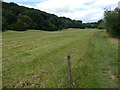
(69,71)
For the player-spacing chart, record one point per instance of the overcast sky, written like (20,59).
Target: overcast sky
(85,10)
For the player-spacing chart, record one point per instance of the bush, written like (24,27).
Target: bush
(112,21)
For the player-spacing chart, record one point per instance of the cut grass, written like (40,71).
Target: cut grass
(31,57)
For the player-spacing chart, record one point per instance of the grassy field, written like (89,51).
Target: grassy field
(39,59)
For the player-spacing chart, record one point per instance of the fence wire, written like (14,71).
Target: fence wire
(62,80)
(54,74)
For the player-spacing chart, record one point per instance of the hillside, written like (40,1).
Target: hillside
(20,18)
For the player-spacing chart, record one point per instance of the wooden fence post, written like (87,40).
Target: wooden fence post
(69,71)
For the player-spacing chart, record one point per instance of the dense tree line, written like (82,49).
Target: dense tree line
(112,21)
(15,17)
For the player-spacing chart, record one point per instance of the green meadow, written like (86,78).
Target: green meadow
(38,59)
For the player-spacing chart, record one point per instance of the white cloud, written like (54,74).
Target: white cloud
(86,10)
(105,3)
(55,5)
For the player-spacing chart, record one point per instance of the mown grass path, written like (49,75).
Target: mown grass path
(38,58)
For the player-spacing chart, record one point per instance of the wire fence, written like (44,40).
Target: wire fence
(54,74)
(62,80)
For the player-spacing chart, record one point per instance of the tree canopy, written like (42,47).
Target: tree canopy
(20,18)
(112,21)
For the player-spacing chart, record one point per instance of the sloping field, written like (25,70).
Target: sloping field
(39,59)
